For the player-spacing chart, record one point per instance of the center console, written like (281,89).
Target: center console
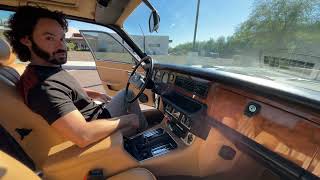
(184,120)
(149,144)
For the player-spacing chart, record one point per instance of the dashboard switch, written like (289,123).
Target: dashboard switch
(227,152)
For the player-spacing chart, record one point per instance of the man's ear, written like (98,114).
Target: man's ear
(26,41)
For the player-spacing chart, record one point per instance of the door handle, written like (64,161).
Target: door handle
(113,86)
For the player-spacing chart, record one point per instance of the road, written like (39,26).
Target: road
(88,79)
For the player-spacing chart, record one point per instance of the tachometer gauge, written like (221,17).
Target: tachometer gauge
(165,77)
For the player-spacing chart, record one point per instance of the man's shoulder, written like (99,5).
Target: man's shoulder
(47,79)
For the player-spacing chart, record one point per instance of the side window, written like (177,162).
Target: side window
(76,45)
(4,16)
(108,46)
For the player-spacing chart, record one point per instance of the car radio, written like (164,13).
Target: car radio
(186,117)
(179,123)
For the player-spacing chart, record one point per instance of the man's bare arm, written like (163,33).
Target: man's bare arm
(75,128)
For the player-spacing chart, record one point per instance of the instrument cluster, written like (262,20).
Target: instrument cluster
(164,77)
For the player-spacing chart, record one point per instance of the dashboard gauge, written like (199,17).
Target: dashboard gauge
(171,77)
(165,77)
(158,76)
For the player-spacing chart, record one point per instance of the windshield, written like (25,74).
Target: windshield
(277,40)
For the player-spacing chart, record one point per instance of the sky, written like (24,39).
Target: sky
(177,18)
(216,18)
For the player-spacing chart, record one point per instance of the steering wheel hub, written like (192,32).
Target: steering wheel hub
(138,80)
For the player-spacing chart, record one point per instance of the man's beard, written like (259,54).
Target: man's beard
(47,57)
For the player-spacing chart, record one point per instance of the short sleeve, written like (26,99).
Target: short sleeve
(51,101)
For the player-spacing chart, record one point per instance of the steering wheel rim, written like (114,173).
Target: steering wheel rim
(148,77)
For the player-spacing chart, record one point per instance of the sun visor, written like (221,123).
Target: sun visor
(77,8)
(68,3)
(108,12)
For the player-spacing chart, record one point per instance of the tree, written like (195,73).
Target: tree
(291,25)
(275,23)
(71,46)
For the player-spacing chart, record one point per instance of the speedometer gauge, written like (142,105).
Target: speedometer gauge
(165,77)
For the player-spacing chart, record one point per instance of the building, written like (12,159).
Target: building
(3,26)
(73,36)
(153,45)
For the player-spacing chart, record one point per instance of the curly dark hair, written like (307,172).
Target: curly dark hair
(22,24)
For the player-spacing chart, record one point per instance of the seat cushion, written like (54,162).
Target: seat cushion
(13,169)
(136,173)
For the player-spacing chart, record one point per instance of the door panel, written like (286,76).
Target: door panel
(114,61)
(114,77)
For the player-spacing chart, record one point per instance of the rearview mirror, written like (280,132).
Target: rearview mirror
(154,21)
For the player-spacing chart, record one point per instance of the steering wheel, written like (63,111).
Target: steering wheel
(138,80)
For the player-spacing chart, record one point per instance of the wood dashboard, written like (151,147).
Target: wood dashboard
(289,131)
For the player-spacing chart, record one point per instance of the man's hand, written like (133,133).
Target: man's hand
(132,125)
(95,95)
(105,97)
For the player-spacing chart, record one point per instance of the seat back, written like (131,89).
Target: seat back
(18,119)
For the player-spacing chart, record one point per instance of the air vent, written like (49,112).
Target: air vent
(192,86)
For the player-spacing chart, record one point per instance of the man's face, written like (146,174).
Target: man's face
(48,41)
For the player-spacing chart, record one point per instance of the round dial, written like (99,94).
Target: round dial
(171,77)
(165,78)
(158,76)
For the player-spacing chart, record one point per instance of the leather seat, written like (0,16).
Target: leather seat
(14,114)
(13,169)
(135,173)
(7,73)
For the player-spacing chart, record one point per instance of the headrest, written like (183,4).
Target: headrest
(9,76)
(6,57)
